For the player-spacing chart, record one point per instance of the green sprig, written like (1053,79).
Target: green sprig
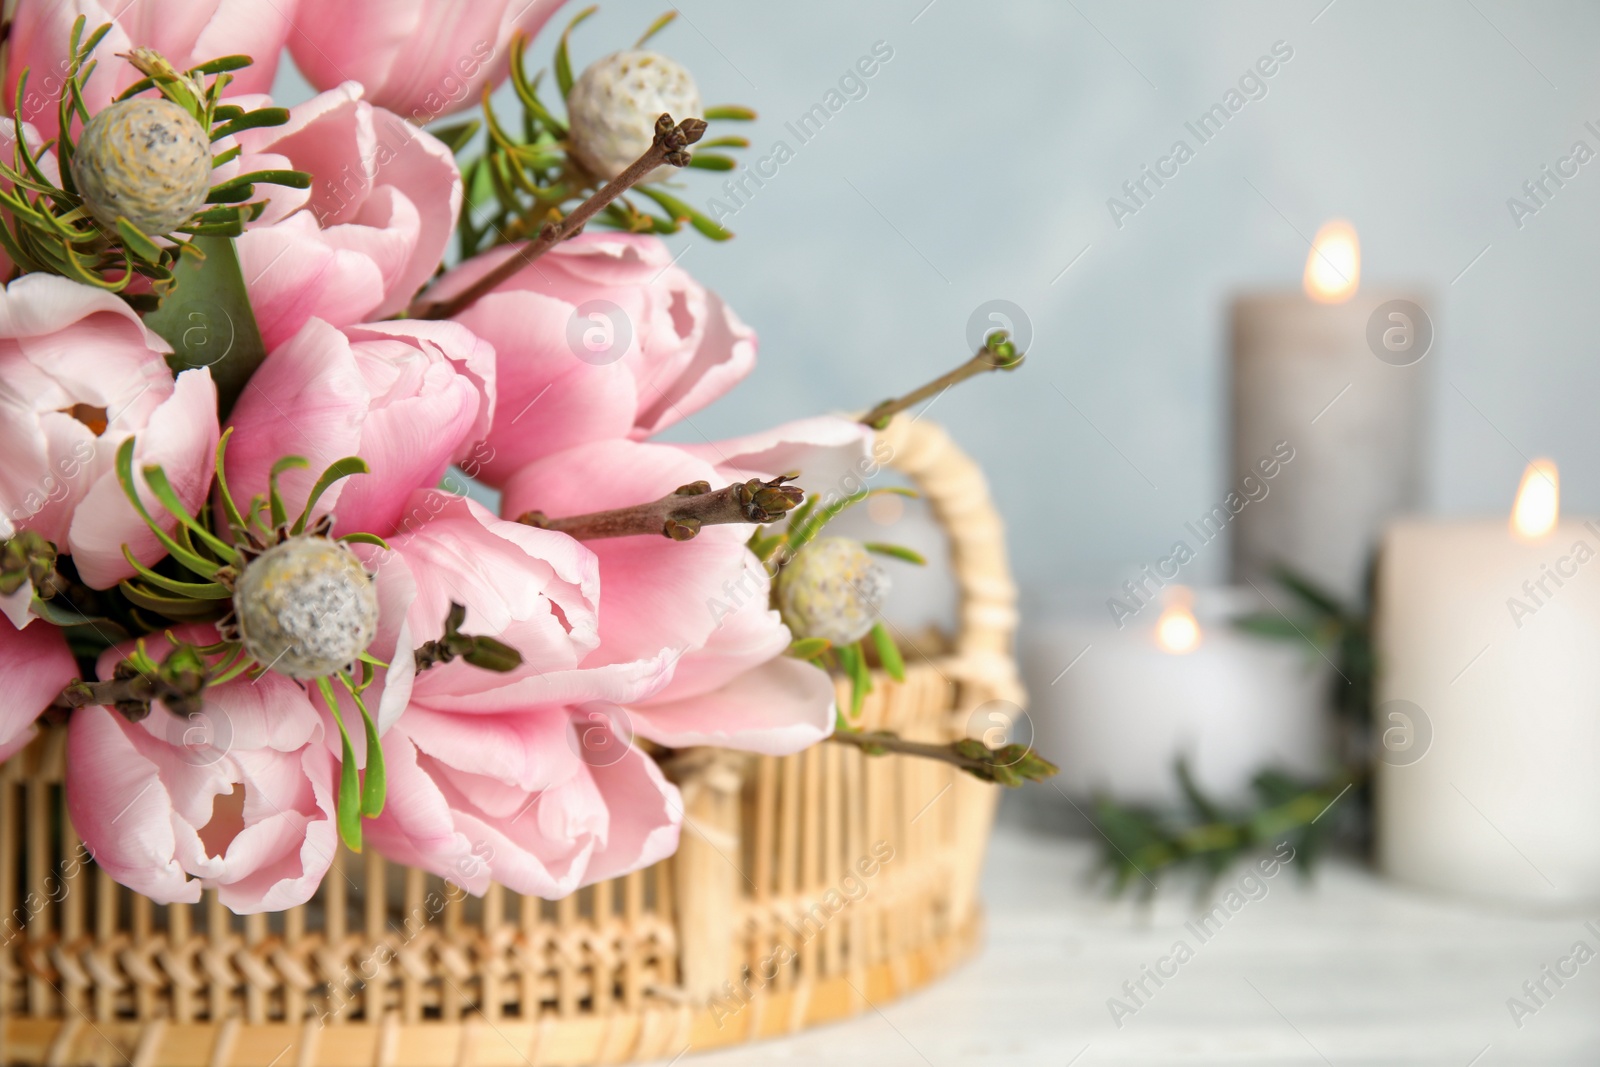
(526,176)
(46,226)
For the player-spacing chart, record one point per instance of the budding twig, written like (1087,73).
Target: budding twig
(480,651)
(178,682)
(997,353)
(670,146)
(28,557)
(681,513)
(1007,765)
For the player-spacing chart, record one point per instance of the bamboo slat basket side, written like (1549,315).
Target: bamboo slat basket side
(806,888)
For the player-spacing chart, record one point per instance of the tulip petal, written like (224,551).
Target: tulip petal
(782,706)
(181,439)
(834,456)
(36,666)
(122,809)
(658,592)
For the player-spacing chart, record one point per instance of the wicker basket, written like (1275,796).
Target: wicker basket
(807,888)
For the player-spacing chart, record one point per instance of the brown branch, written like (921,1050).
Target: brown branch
(1007,765)
(137,689)
(179,682)
(670,146)
(681,513)
(131,695)
(998,353)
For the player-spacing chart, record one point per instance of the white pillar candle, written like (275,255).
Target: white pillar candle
(1488,781)
(1115,709)
(1305,372)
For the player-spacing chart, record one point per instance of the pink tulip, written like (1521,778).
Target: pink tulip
(536,590)
(488,775)
(238,798)
(601,338)
(370,231)
(36,665)
(420,58)
(186,32)
(79,374)
(573,826)
(706,600)
(409,397)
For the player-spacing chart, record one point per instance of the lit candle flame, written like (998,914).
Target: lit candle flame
(1178,631)
(1333,268)
(1538,503)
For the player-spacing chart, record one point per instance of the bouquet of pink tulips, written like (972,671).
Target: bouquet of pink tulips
(248,415)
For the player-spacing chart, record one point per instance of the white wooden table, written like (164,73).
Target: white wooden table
(1344,970)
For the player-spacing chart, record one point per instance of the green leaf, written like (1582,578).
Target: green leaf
(156,479)
(1275,626)
(280,517)
(374,783)
(817,519)
(221,65)
(192,590)
(364,539)
(1203,806)
(680,210)
(266,116)
(59,614)
(95,38)
(142,85)
(712,161)
(199,565)
(208,321)
(349,813)
(230,509)
(656,27)
(1309,592)
(855,666)
(291,179)
(230,194)
(241,662)
(134,240)
(216,229)
(730,111)
(564,77)
(338,469)
(809,647)
(86,271)
(528,91)
(173,607)
(897,551)
(457,135)
(888,652)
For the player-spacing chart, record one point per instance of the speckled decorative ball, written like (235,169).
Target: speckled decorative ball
(306,607)
(614,104)
(146,160)
(832,589)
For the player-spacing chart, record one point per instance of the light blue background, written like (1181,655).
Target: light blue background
(981,161)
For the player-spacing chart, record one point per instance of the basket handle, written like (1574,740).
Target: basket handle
(958,493)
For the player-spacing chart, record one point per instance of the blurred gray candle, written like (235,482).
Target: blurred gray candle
(1334,377)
